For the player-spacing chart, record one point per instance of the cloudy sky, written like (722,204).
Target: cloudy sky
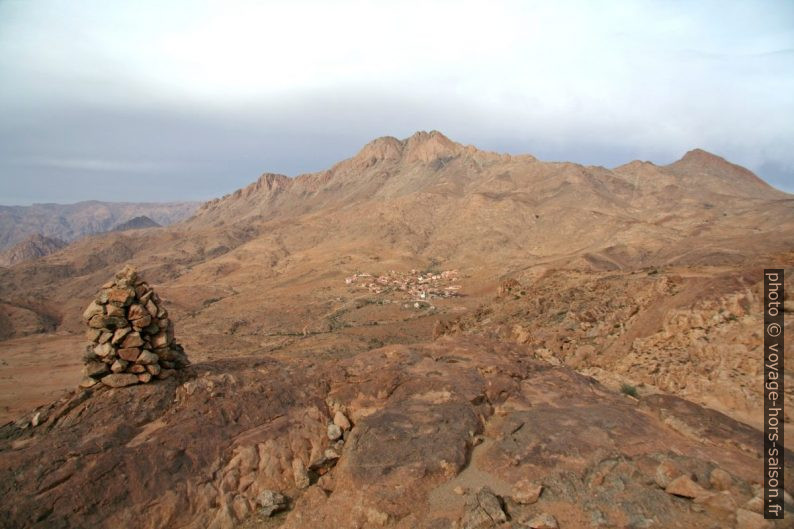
(185,100)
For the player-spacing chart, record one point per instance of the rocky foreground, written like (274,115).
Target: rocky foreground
(454,434)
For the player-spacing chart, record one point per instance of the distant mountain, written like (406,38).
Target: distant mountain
(137,223)
(72,221)
(33,247)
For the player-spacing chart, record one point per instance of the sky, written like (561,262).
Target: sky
(161,100)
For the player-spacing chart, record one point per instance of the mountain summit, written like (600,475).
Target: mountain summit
(700,167)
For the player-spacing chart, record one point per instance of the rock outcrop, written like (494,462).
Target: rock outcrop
(131,338)
(229,443)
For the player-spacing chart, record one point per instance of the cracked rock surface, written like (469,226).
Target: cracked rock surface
(204,447)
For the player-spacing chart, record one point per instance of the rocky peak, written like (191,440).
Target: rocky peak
(428,146)
(273,181)
(136,223)
(420,147)
(722,176)
(702,156)
(384,148)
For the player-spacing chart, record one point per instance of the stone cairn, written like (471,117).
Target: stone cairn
(131,337)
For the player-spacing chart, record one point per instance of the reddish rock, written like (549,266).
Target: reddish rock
(94,309)
(665,473)
(114,310)
(133,339)
(92,335)
(300,474)
(526,492)
(119,334)
(95,369)
(121,295)
(120,380)
(147,357)
(141,322)
(751,520)
(341,421)
(88,382)
(542,521)
(118,366)
(684,486)
(104,349)
(130,354)
(160,339)
(137,311)
(720,479)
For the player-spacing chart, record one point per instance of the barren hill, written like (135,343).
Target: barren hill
(136,223)
(33,247)
(376,282)
(72,221)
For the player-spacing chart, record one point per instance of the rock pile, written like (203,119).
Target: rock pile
(131,337)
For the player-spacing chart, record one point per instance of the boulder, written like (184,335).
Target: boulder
(133,339)
(300,474)
(543,521)
(686,488)
(130,354)
(334,432)
(483,510)
(341,421)
(95,369)
(119,366)
(94,309)
(271,502)
(120,380)
(526,492)
(119,334)
(720,479)
(121,295)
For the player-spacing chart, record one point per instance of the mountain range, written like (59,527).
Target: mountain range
(72,221)
(482,319)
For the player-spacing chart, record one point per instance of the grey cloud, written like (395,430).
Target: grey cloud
(162,154)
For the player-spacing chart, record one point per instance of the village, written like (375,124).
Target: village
(415,285)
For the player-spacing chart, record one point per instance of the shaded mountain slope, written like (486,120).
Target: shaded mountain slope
(31,248)
(72,221)
(136,223)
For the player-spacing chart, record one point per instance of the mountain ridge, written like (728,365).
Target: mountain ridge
(72,221)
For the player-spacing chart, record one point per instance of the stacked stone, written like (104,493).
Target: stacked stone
(131,336)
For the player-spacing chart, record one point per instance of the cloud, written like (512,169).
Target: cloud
(102,166)
(201,91)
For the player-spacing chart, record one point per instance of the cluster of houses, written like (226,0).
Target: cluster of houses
(415,285)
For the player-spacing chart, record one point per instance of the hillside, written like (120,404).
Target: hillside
(33,247)
(72,221)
